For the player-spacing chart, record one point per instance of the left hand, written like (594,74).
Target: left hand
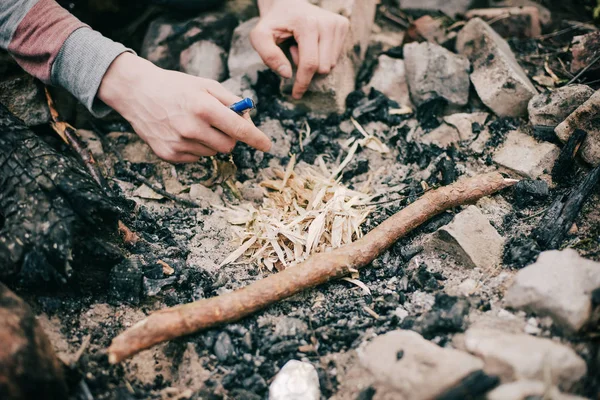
(319,34)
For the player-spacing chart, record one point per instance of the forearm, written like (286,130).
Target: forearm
(55,47)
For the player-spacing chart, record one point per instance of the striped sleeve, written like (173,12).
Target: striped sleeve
(55,47)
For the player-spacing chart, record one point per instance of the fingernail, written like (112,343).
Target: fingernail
(285,71)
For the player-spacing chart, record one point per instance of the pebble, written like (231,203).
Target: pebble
(584,117)
(223,348)
(444,136)
(433,72)
(526,156)
(500,82)
(470,239)
(559,284)
(527,390)
(584,50)
(288,326)
(551,108)
(509,22)
(204,59)
(428,29)
(520,356)
(465,122)
(282,141)
(389,77)
(297,380)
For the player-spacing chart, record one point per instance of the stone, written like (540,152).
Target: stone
(204,59)
(240,86)
(587,118)
(205,196)
(154,47)
(93,144)
(544,14)
(513,356)
(526,156)
(24,96)
(242,9)
(585,49)
(288,326)
(450,8)
(145,192)
(499,80)
(402,364)
(389,77)
(282,142)
(427,29)
(444,136)
(559,284)
(223,347)
(529,389)
(243,59)
(297,380)
(433,72)
(327,93)
(519,22)
(464,123)
(553,107)
(470,239)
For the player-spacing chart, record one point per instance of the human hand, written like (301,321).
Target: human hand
(319,35)
(181,117)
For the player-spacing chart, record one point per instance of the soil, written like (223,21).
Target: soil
(410,288)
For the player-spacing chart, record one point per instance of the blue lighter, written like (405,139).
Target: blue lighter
(242,106)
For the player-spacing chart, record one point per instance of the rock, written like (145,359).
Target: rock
(282,142)
(519,22)
(543,12)
(433,72)
(126,282)
(297,380)
(389,77)
(551,108)
(242,9)
(514,356)
(559,284)
(526,390)
(93,144)
(29,367)
(243,59)
(529,192)
(499,81)
(223,348)
(585,117)
(154,47)
(204,59)
(327,93)
(451,8)
(465,123)
(470,239)
(585,49)
(240,86)
(427,29)
(145,192)
(403,363)
(288,326)
(443,136)
(205,196)
(526,156)
(24,96)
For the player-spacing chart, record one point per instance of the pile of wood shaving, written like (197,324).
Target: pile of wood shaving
(306,210)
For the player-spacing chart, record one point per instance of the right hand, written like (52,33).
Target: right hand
(181,117)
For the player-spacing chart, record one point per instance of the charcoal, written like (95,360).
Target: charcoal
(472,387)
(520,252)
(530,192)
(126,282)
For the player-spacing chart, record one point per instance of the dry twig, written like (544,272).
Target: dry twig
(185,319)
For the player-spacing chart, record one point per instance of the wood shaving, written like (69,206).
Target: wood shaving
(306,211)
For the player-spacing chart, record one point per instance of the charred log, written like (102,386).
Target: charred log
(564,168)
(53,214)
(29,368)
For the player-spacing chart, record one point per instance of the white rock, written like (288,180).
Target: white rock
(432,72)
(584,117)
(91,140)
(527,389)
(297,380)
(243,59)
(443,136)
(463,122)
(403,364)
(389,78)
(204,59)
(204,195)
(526,156)
(559,284)
(240,86)
(282,142)
(551,108)
(470,239)
(144,192)
(499,81)
(520,356)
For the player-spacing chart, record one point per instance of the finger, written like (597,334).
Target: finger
(307,36)
(235,126)
(186,158)
(198,149)
(341,31)
(207,136)
(326,41)
(295,55)
(264,43)
(226,97)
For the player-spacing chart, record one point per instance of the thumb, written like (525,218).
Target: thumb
(264,43)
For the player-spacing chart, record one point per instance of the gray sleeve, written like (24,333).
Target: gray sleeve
(11,14)
(81,64)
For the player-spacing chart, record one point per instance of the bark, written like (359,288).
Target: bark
(51,211)
(189,318)
(29,368)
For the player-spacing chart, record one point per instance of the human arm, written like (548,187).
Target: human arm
(319,34)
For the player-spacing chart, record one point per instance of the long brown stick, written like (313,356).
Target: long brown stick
(185,319)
